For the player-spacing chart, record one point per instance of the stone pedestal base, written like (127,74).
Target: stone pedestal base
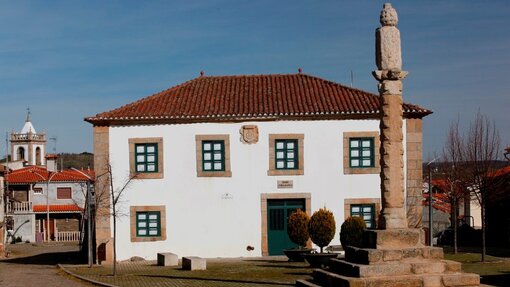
(394,257)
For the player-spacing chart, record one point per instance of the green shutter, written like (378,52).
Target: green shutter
(366,212)
(148,224)
(361,152)
(286,154)
(146,157)
(213,155)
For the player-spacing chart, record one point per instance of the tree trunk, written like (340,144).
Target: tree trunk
(454,224)
(114,244)
(482,207)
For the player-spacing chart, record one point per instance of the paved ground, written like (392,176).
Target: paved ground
(35,265)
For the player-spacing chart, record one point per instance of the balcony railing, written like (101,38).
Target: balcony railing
(28,136)
(18,207)
(68,236)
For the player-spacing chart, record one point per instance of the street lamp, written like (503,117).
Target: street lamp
(89,216)
(430,199)
(51,175)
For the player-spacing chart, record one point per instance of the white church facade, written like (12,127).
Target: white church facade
(218,163)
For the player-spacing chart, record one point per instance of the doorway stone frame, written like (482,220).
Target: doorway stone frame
(263,208)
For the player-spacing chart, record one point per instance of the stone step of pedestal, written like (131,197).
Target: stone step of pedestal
(305,283)
(435,267)
(393,238)
(378,256)
(345,268)
(325,278)
(424,266)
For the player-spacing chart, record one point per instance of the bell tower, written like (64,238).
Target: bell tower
(28,145)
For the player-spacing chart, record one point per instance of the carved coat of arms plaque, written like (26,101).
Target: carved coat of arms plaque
(249,134)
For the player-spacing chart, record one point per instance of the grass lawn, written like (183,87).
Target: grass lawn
(495,271)
(224,272)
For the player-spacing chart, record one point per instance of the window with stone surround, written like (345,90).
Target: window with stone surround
(146,158)
(366,212)
(147,223)
(361,152)
(286,154)
(213,155)
(366,208)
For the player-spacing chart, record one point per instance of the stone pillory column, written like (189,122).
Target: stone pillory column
(390,75)
(394,255)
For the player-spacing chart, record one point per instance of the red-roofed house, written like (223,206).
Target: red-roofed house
(34,193)
(221,161)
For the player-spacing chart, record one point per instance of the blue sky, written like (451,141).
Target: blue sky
(70,59)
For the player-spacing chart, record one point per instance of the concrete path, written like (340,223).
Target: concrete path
(35,265)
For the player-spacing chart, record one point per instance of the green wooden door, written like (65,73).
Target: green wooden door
(278,210)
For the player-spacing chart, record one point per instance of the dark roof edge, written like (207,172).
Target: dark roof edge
(150,120)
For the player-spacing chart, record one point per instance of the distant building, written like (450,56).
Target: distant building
(2,211)
(42,202)
(28,146)
(218,163)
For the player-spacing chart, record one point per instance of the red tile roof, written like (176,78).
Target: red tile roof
(34,174)
(58,208)
(271,97)
(502,171)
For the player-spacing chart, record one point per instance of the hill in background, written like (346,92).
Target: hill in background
(82,160)
(77,160)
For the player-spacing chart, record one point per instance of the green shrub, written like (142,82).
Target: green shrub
(297,227)
(351,231)
(322,227)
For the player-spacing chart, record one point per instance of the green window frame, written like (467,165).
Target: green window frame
(286,154)
(213,155)
(146,157)
(148,224)
(366,212)
(361,152)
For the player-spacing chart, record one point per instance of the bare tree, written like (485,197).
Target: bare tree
(482,153)
(107,200)
(452,166)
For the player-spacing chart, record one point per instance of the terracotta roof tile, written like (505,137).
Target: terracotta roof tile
(33,174)
(58,208)
(216,98)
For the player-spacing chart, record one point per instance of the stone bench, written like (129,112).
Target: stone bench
(167,259)
(193,263)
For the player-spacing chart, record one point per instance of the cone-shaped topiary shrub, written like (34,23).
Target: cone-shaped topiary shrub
(322,227)
(297,227)
(351,232)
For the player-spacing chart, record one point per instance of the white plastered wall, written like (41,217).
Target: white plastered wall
(200,219)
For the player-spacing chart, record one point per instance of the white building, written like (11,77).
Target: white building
(218,163)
